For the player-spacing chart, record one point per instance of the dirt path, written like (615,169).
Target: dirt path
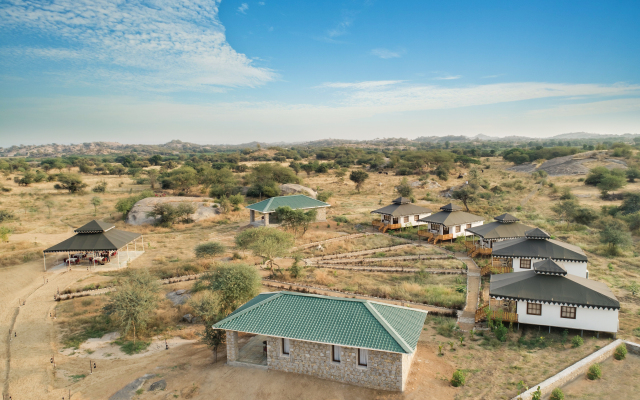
(466,319)
(531,194)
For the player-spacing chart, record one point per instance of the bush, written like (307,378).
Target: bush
(125,205)
(557,394)
(6,215)
(620,353)
(537,395)
(324,196)
(595,372)
(577,341)
(209,249)
(341,218)
(458,378)
(501,332)
(100,187)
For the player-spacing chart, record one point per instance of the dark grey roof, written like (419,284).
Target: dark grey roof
(451,218)
(537,233)
(401,200)
(549,267)
(536,248)
(95,226)
(111,240)
(451,207)
(499,230)
(569,289)
(506,218)
(398,210)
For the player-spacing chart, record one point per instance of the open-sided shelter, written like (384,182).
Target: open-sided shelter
(399,214)
(360,342)
(548,295)
(505,227)
(449,223)
(263,213)
(537,245)
(96,237)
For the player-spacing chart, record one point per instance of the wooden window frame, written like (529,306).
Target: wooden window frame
(406,219)
(525,259)
(468,226)
(359,359)
(282,344)
(538,306)
(333,354)
(567,311)
(458,228)
(416,218)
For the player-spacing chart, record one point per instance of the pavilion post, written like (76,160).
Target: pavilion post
(44,258)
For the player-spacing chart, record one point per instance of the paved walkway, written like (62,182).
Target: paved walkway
(467,318)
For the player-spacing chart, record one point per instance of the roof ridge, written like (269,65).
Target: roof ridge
(396,336)
(232,317)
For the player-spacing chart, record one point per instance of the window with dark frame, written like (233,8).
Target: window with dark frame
(335,354)
(416,218)
(534,309)
(468,226)
(568,312)
(406,219)
(457,228)
(363,357)
(525,263)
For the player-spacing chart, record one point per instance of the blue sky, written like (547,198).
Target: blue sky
(238,71)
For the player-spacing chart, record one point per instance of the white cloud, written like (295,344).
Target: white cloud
(153,45)
(342,26)
(492,76)
(358,85)
(243,8)
(261,3)
(385,53)
(447,77)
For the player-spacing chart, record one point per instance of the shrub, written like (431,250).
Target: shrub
(537,395)
(125,205)
(557,394)
(595,372)
(101,187)
(209,249)
(577,341)
(458,378)
(501,332)
(341,218)
(324,196)
(620,353)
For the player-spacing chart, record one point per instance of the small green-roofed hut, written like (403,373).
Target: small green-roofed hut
(263,213)
(94,238)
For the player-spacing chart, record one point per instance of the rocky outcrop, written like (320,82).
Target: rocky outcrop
(293,188)
(138,214)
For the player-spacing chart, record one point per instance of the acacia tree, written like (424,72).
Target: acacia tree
(358,177)
(234,284)
(614,234)
(207,307)
(153,176)
(133,303)
(96,201)
(268,243)
(466,194)
(610,183)
(71,182)
(296,220)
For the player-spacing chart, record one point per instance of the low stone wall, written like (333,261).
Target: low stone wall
(382,259)
(344,237)
(375,268)
(573,371)
(385,370)
(633,348)
(359,253)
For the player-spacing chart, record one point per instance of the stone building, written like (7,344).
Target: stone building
(263,213)
(358,342)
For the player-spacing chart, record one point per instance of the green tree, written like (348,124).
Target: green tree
(134,302)
(236,200)
(614,234)
(295,166)
(265,242)
(442,171)
(235,284)
(49,204)
(206,307)
(152,174)
(632,174)
(630,203)
(609,183)
(221,182)
(466,194)
(167,214)
(125,205)
(296,220)
(5,232)
(358,177)
(181,179)
(96,201)
(71,182)
(209,249)
(565,209)
(404,189)
(308,168)
(325,195)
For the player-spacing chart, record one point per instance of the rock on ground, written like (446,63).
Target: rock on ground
(569,165)
(178,297)
(138,214)
(159,385)
(127,392)
(292,188)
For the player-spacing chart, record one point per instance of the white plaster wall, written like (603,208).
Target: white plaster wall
(586,318)
(577,268)
(412,222)
(463,230)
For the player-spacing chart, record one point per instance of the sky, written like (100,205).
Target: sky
(216,72)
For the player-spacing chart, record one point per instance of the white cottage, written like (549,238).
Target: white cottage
(400,213)
(449,223)
(520,254)
(548,295)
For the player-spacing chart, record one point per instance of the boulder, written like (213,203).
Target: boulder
(293,188)
(159,385)
(416,184)
(188,318)
(138,214)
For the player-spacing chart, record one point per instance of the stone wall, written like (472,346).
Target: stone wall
(386,371)
(232,346)
(321,216)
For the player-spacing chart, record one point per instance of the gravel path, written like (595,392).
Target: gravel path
(466,318)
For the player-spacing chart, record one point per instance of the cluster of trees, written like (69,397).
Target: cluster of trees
(167,214)
(608,180)
(522,155)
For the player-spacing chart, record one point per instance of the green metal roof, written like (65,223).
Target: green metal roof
(296,202)
(332,320)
